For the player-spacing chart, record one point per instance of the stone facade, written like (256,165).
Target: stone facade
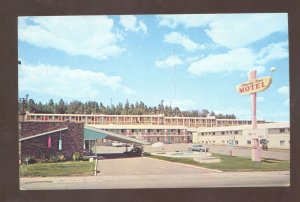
(72,139)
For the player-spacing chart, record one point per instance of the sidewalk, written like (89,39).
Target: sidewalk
(191,180)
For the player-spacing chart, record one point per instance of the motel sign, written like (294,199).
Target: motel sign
(253,86)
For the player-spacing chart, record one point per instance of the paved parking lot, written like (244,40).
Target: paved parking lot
(143,172)
(280,154)
(145,166)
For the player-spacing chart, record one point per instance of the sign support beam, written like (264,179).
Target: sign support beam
(252,87)
(255,148)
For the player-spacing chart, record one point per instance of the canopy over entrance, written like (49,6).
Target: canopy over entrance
(93,133)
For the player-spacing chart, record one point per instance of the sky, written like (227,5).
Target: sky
(190,61)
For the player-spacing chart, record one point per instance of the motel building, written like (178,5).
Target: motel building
(159,119)
(277,135)
(149,128)
(43,134)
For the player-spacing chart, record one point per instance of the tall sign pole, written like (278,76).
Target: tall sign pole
(252,87)
(255,151)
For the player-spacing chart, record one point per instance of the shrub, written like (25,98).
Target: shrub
(85,158)
(29,160)
(61,158)
(43,160)
(53,159)
(76,156)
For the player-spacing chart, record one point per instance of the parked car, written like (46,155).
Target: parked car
(116,144)
(198,147)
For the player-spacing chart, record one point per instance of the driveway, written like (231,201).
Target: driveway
(143,172)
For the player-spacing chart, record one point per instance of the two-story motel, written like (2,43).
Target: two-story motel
(159,128)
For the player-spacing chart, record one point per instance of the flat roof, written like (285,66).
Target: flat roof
(139,126)
(136,116)
(96,133)
(244,127)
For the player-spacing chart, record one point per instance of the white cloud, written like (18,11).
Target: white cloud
(64,81)
(273,51)
(284,90)
(130,23)
(240,59)
(234,31)
(235,60)
(231,30)
(76,35)
(187,43)
(188,20)
(191,59)
(170,61)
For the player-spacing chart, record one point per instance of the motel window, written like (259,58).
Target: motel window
(236,142)
(202,141)
(158,139)
(249,142)
(282,142)
(202,134)
(213,133)
(132,130)
(236,132)
(281,130)
(223,132)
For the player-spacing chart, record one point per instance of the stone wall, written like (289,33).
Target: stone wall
(72,139)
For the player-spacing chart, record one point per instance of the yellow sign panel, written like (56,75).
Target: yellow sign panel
(254,86)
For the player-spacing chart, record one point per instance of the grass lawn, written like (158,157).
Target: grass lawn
(233,163)
(69,168)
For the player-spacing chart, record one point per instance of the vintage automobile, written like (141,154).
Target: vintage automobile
(117,144)
(198,147)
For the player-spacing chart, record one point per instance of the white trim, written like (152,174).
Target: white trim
(41,134)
